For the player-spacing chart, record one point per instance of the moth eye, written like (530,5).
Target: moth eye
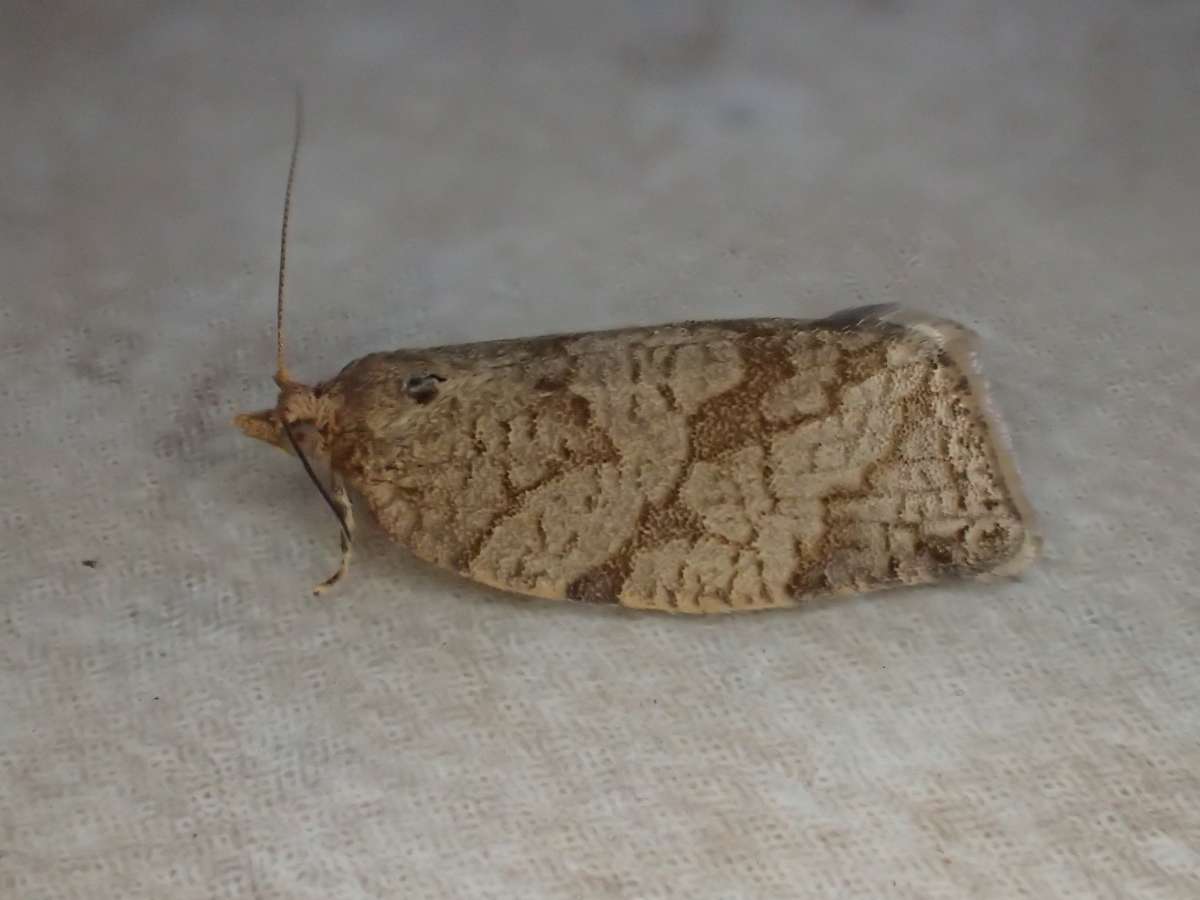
(424,387)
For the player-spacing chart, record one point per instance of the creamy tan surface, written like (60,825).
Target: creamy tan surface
(184,721)
(702,467)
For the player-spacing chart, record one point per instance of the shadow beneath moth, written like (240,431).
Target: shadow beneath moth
(692,467)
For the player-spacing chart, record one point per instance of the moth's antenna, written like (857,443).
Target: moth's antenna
(341,505)
(281,376)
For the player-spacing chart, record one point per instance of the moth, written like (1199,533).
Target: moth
(692,467)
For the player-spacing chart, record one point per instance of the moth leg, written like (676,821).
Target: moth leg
(346,515)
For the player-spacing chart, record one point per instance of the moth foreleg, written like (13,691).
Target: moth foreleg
(345,511)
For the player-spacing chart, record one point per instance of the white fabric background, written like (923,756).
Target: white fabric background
(185,721)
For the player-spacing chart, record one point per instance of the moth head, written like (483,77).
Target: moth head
(307,413)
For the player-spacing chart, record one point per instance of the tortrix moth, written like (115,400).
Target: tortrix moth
(691,467)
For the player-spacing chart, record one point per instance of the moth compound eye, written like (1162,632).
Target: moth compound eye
(423,387)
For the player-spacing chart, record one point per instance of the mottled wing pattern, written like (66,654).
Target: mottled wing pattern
(702,467)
